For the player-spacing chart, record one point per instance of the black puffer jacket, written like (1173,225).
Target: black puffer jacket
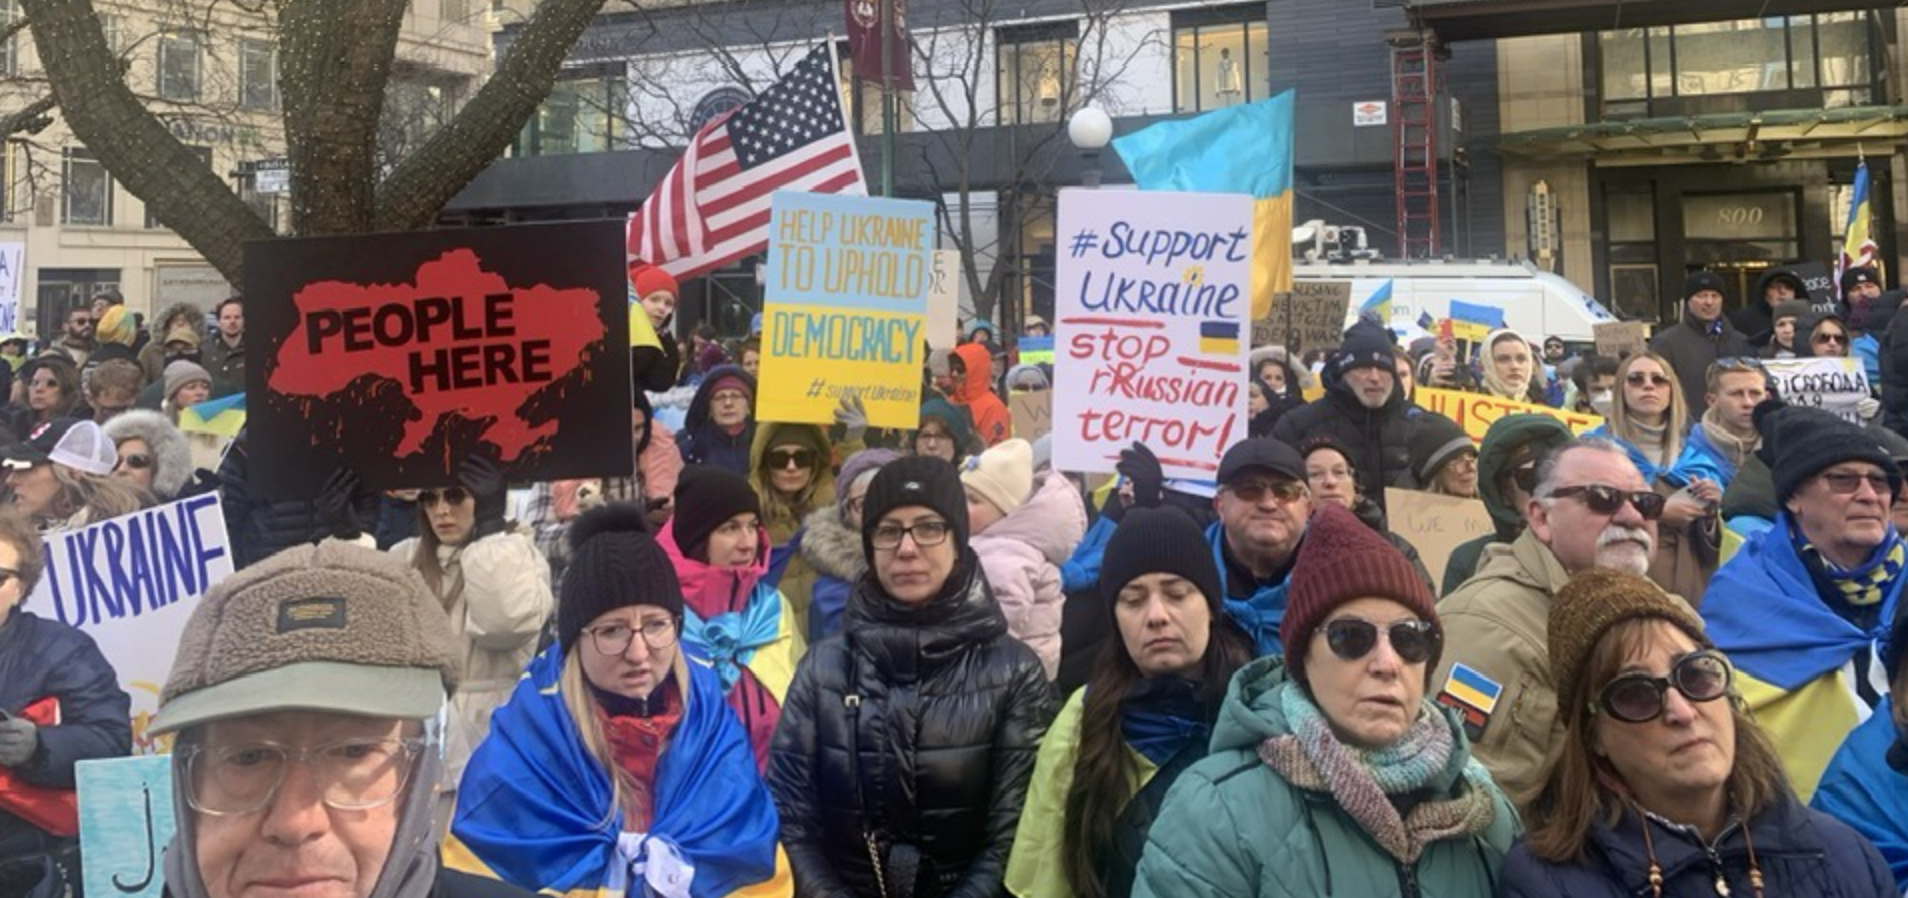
(259,528)
(946,716)
(1379,439)
(40,658)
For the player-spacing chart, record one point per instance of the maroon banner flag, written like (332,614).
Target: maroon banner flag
(864,45)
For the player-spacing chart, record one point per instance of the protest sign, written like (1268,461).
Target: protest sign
(944,301)
(1834,385)
(1475,411)
(1033,414)
(1310,317)
(12,275)
(130,583)
(1818,280)
(399,355)
(127,820)
(845,308)
(1153,313)
(1619,339)
(1435,525)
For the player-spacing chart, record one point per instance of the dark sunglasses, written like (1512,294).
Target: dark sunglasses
(455,496)
(1639,378)
(136,461)
(1831,338)
(1525,476)
(1639,698)
(780,458)
(1848,483)
(1285,491)
(1352,638)
(1609,500)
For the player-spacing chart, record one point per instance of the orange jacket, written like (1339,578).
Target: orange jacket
(992,422)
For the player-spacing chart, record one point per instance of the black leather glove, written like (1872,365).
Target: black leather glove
(337,504)
(485,480)
(19,739)
(1141,466)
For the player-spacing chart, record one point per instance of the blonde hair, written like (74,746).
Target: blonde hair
(100,498)
(574,686)
(1675,418)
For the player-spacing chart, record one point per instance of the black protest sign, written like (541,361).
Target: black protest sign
(399,355)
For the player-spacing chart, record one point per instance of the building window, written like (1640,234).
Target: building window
(1829,52)
(179,66)
(9,48)
(86,188)
(1035,80)
(258,74)
(113,26)
(1219,57)
(584,113)
(205,158)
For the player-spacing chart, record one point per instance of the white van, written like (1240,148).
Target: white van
(1536,304)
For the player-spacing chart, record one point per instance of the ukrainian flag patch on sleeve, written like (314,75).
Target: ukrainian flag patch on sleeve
(1473,695)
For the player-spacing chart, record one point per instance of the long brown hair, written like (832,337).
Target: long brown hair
(1105,775)
(424,558)
(1675,418)
(1579,792)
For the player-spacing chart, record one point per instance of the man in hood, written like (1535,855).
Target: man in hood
(1363,408)
(971,368)
(306,701)
(1756,318)
(1702,337)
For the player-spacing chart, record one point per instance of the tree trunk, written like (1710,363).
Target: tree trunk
(335,58)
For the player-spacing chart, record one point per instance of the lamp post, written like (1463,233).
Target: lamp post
(1090,129)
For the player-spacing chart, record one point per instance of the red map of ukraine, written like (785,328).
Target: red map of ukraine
(460,341)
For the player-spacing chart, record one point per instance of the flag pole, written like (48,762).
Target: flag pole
(887,97)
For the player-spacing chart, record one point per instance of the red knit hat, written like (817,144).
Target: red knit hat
(1341,560)
(648,279)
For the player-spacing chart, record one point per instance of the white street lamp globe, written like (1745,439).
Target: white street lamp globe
(1090,128)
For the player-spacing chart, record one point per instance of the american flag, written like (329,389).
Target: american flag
(713,206)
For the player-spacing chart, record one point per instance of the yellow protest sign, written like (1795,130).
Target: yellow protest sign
(1475,411)
(847,291)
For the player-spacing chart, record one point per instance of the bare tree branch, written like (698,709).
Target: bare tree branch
(29,120)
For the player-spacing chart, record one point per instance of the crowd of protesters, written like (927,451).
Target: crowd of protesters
(781,658)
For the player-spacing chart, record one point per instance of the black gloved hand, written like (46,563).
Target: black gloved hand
(337,504)
(487,488)
(19,739)
(1141,466)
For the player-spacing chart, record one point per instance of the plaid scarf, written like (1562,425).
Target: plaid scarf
(1364,781)
(1864,585)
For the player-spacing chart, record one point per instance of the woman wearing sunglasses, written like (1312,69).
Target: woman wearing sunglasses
(153,454)
(1647,417)
(1664,785)
(792,468)
(1330,772)
(495,586)
(616,768)
(831,542)
(1822,335)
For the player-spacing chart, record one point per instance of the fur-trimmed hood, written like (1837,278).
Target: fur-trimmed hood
(156,326)
(171,453)
(832,548)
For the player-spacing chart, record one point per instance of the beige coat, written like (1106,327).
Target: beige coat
(498,613)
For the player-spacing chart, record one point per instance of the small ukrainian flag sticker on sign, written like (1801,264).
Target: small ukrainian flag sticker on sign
(1219,337)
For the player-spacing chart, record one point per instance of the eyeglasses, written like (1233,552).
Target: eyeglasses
(614,639)
(350,775)
(932,436)
(729,396)
(1847,483)
(1465,462)
(782,458)
(925,533)
(135,461)
(1525,476)
(855,505)
(1352,638)
(1639,378)
(454,496)
(1639,698)
(1285,491)
(1609,500)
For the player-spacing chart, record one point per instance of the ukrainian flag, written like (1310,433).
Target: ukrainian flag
(1219,337)
(1240,149)
(641,332)
(1378,305)
(1035,350)
(222,417)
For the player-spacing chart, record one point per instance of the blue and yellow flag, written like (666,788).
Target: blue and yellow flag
(223,417)
(1240,149)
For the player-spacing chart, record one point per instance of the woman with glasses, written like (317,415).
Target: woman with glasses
(1647,417)
(495,586)
(734,619)
(616,768)
(902,758)
(61,477)
(946,432)
(1142,720)
(1664,785)
(1330,772)
(719,428)
(792,468)
(831,542)
(50,390)
(1333,479)
(1443,457)
(1822,335)
(153,454)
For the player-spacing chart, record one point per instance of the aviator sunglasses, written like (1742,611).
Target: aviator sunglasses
(1352,638)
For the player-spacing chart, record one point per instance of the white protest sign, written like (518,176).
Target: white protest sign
(126,819)
(944,300)
(1153,310)
(130,583)
(12,275)
(1830,384)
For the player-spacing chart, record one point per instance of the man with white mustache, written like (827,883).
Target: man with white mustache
(1590,508)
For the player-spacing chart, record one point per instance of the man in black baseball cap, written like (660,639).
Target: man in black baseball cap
(1262,505)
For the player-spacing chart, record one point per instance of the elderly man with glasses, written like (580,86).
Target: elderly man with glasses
(1262,505)
(308,700)
(1803,608)
(1588,507)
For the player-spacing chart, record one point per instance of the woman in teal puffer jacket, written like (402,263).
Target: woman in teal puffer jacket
(1330,774)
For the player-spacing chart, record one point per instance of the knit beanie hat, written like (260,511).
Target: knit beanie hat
(614,563)
(1587,607)
(1366,345)
(117,325)
(1698,281)
(706,496)
(650,279)
(1342,559)
(1002,475)
(861,464)
(181,373)
(1159,541)
(1791,308)
(1857,276)
(1434,440)
(959,424)
(916,480)
(1802,442)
